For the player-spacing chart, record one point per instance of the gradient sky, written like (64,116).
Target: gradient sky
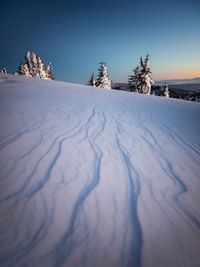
(76,35)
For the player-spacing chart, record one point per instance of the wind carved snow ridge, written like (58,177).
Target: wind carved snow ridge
(133,191)
(24,131)
(34,189)
(66,245)
(21,251)
(156,149)
(183,144)
(26,246)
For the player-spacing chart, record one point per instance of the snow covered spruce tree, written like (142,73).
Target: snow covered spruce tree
(92,80)
(166,90)
(103,80)
(141,80)
(49,74)
(146,80)
(34,67)
(134,80)
(42,71)
(24,70)
(4,70)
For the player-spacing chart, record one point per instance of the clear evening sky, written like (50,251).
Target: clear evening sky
(76,35)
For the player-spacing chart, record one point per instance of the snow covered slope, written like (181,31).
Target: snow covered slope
(95,177)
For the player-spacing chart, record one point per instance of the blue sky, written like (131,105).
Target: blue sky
(76,35)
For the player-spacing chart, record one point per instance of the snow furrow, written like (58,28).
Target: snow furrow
(64,247)
(132,198)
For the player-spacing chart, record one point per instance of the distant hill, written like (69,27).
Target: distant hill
(187,87)
(179,81)
(120,86)
(185,84)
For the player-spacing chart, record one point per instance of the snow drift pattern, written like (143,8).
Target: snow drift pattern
(94,177)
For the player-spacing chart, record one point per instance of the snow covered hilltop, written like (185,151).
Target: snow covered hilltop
(93,177)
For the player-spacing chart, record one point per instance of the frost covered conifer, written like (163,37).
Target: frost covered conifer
(4,70)
(134,80)
(146,80)
(34,67)
(49,75)
(141,80)
(28,61)
(92,80)
(166,90)
(42,69)
(103,80)
(24,69)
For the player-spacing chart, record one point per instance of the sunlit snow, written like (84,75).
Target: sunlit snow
(92,177)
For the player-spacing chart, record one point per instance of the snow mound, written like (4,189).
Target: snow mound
(95,177)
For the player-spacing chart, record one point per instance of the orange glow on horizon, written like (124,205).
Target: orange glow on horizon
(178,75)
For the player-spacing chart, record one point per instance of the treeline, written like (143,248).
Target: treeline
(139,81)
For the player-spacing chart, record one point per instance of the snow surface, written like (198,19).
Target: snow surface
(96,177)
